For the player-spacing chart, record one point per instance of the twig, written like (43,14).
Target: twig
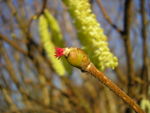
(13,44)
(9,100)
(24,52)
(83,102)
(121,76)
(127,42)
(145,72)
(106,81)
(78,58)
(107,17)
(21,21)
(37,15)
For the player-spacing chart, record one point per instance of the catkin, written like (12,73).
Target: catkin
(55,29)
(57,37)
(49,46)
(90,34)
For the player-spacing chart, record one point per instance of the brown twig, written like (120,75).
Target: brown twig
(19,19)
(145,72)
(106,81)
(121,76)
(108,19)
(128,48)
(24,52)
(37,14)
(13,44)
(79,97)
(78,58)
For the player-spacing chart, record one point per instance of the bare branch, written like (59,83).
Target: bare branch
(106,81)
(128,48)
(37,15)
(145,71)
(108,19)
(13,44)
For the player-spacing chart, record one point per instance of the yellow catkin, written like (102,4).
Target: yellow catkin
(145,105)
(91,35)
(57,37)
(49,46)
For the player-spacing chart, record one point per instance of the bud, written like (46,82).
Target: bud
(75,56)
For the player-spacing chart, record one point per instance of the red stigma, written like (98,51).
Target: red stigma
(59,52)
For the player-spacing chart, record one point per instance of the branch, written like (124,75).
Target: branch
(26,53)
(20,21)
(78,58)
(108,19)
(121,76)
(13,44)
(145,71)
(37,15)
(112,86)
(127,42)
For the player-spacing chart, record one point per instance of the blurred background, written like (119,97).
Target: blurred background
(29,82)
